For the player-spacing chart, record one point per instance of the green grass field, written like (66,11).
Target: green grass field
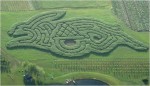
(46,60)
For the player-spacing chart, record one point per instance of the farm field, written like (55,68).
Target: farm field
(122,65)
(21,5)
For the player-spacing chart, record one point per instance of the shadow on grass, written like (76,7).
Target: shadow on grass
(78,57)
(29,82)
(32,82)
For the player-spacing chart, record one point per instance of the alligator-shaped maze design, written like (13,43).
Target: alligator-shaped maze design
(70,37)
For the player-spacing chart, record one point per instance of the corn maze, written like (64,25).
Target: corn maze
(70,37)
(133,68)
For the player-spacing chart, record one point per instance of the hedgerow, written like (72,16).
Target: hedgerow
(70,37)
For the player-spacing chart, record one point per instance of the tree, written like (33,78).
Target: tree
(37,73)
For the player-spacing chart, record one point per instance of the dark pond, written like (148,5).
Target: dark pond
(87,82)
(70,42)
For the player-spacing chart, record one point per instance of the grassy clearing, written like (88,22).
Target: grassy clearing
(12,78)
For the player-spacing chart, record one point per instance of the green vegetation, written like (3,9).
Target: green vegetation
(73,37)
(130,69)
(108,67)
(33,72)
(134,13)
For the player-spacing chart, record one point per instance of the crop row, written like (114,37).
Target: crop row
(128,69)
(133,13)
(16,5)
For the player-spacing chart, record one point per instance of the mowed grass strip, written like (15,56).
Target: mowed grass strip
(75,4)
